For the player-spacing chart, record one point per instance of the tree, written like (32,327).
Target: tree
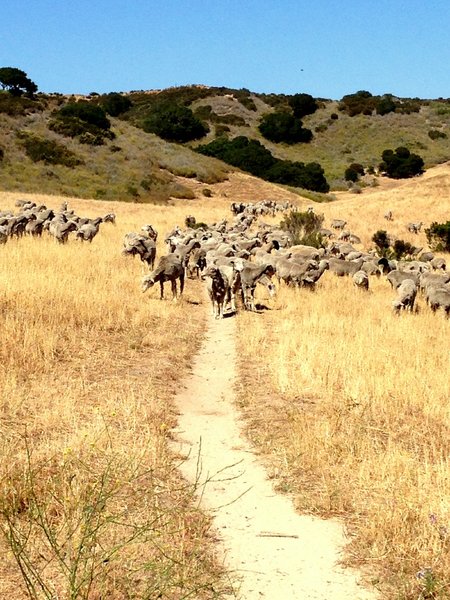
(16,82)
(115,104)
(302,105)
(401,164)
(284,127)
(174,123)
(353,172)
(87,112)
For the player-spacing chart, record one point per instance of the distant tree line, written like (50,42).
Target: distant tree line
(250,155)
(365,103)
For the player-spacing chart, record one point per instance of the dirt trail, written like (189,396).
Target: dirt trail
(276,553)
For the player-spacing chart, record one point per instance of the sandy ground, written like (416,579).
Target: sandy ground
(273,551)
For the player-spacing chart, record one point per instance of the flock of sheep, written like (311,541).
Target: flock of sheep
(33,220)
(234,255)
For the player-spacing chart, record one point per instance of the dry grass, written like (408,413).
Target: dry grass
(88,367)
(349,404)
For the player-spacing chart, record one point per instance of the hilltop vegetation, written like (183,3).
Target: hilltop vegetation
(136,146)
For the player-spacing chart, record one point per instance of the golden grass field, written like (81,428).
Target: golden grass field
(348,404)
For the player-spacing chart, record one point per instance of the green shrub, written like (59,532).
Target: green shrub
(252,156)
(174,123)
(248,103)
(302,105)
(2,154)
(18,105)
(85,111)
(115,104)
(49,151)
(353,172)
(401,164)
(435,134)
(438,236)
(284,127)
(207,192)
(75,126)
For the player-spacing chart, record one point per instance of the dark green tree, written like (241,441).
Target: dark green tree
(302,105)
(115,104)
(401,164)
(87,112)
(353,172)
(16,82)
(174,123)
(385,105)
(284,127)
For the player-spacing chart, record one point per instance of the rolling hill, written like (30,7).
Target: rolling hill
(141,167)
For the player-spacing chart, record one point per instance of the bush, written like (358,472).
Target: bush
(207,193)
(398,250)
(252,156)
(438,236)
(221,130)
(435,134)
(284,127)
(175,123)
(115,104)
(86,112)
(302,105)
(401,164)
(2,154)
(48,151)
(354,172)
(18,105)
(304,228)
(381,240)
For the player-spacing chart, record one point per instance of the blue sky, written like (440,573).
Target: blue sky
(324,48)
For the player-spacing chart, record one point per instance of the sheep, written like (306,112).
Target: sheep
(196,262)
(338,224)
(343,267)
(88,231)
(60,230)
(439,297)
(3,234)
(388,215)
(150,231)
(397,277)
(109,218)
(438,263)
(169,268)
(250,275)
(141,245)
(361,280)
(217,286)
(433,280)
(406,296)
(414,227)
(312,276)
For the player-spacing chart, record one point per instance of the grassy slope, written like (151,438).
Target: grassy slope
(119,175)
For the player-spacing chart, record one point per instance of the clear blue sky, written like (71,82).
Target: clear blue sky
(324,48)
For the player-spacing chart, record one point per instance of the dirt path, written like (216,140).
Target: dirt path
(276,553)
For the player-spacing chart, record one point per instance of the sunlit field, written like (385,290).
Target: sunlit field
(91,502)
(347,403)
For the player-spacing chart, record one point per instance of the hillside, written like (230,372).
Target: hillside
(141,167)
